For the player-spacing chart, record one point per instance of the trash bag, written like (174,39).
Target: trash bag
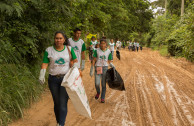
(73,83)
(114,79)
(133,48)
(118,55)
(90,53)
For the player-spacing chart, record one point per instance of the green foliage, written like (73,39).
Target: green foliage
(19,87)
(11,7)
(164,50)
(181,40)
(162,27)
(145,39)
(128,17)
(175,32)
(173,6)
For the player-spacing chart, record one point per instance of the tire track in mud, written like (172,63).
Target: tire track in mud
(150,110)
(166,95)
(169,95)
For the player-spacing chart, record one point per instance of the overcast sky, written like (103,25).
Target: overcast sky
(154,9)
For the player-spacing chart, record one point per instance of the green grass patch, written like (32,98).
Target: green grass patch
(18,89)
(163,51)
(154,48)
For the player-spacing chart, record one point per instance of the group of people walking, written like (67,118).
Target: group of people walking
(134,46)
(66,53)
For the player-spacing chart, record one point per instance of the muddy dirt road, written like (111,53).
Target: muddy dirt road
(159,92)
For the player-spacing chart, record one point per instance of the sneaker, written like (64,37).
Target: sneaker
(97,96)
(102,101)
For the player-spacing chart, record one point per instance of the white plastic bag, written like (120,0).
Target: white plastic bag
(73,83)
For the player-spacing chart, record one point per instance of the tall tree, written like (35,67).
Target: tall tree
(166,2)
(182,8)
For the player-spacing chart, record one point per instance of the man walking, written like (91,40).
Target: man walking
(79,47)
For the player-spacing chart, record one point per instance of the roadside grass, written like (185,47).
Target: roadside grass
(163,50)
(18,89)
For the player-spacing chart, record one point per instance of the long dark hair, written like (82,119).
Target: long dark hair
(66,39)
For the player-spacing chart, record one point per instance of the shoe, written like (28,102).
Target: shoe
(102,101)
(97,96)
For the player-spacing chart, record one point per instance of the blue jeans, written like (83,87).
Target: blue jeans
(60,98)
(101,77)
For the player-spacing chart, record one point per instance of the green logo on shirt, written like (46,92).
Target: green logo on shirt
(60,61)
(103,57)
(75,48)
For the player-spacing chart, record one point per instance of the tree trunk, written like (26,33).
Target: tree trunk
(165,7)
(182,8)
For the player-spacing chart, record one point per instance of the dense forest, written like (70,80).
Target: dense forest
(28,27)
(173,28)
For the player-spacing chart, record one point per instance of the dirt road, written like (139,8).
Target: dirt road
(159,92)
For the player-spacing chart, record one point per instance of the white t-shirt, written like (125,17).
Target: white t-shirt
(130,43)
(58,60)
(112,45)
(137,44)
(93,43)
(118,44)
(78,47)
(102,57)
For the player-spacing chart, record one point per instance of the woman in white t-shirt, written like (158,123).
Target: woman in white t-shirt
(57,57)
(102,56)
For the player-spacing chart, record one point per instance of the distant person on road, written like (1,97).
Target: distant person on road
(130,45)
(79,47)
(118,44)
(58,60)
(141,48)
(123,43)
(133,46)
(111,47)
(102,56)
(92,47)
(137,46)
(93,42)
(96,47)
